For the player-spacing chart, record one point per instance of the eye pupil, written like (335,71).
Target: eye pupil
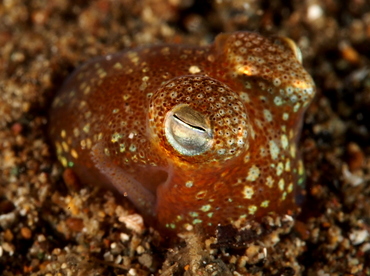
(191,125)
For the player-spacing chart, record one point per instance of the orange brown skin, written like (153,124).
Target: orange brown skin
(107,123)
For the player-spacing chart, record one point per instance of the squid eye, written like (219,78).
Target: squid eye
(188,131)
(293,46)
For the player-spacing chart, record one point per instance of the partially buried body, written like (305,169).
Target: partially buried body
(192,135)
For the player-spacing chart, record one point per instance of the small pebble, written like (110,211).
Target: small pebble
(26,233)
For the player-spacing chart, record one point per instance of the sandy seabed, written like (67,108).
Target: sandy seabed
(50,228)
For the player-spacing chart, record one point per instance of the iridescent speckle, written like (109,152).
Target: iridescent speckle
(253,173)
(248,192)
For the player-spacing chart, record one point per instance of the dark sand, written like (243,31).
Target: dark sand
(50,228)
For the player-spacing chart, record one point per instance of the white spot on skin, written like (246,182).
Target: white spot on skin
(265,203)
(189,184)
(87,90)
(292,150)
(243,216)
(63,133)
(289,90)
(115,137)
(242,50)
(248,192)
(281,184)
(279,169)
(263,151)
(267,114)
(247,85)
(206,208)
(278,101)
(237,43)
(253,134)
(188,227)
(173,95)
(76,132)
(63,160)
(132,148)
(83,144)
(117,66)
(245,97)
(65,146)
(274,150)
(269,181)
(86,128)
(287,166)
(74,154)
(296,107)
(300,167)
(194,69)
(285,116)
(246,158)
(290,188)
(259,123)
(253,174)
(194,214)
(102,74)
(283,197)
(145,78)
(252,209)
(284,141)
(88,143)
(277,82)
(293,98)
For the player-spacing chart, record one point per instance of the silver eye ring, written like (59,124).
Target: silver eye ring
(188,131)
